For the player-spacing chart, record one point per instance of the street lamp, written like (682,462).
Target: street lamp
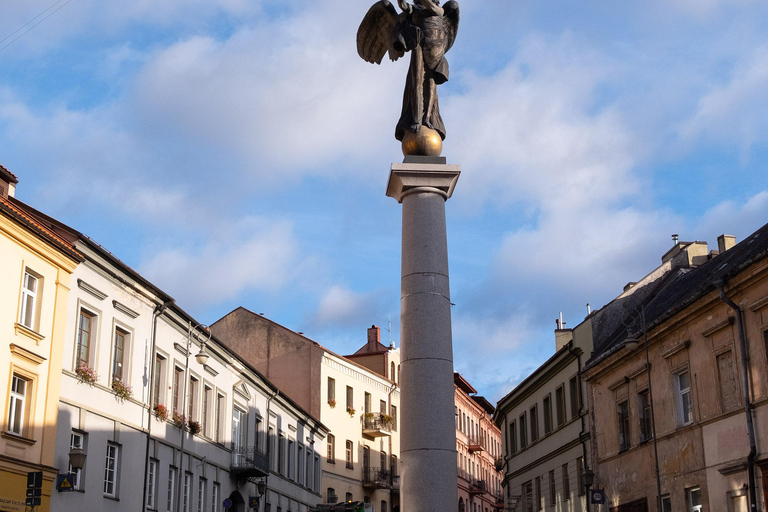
(630,320)
(202,333)
(77,459)
(589,479)
(513,501)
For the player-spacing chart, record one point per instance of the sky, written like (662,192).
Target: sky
(236,153)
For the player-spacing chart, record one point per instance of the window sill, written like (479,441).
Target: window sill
(111,498)
(29,333)
(17,437)
(329,461)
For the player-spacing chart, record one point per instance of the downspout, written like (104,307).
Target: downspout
(720,284)
(391,468)
(159,310)
(581,417)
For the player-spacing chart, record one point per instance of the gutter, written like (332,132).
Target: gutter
(720,285)
(159,310)
(583,432)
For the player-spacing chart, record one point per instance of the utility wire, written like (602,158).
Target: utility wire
(36,24)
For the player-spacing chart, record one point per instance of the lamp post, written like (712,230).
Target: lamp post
(631,343)
(202,334)
(513,501)
(589,479)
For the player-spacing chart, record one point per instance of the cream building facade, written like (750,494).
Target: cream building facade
(545,426)
(359,406)
(35,272)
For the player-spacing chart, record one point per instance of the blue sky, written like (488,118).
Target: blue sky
(236,153)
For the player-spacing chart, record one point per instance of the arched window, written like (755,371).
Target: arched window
(392,371)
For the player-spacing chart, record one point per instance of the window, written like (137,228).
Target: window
(566,484)
(383,506)
(523,431)
(644,415)
(257,434)
(316,485)
(512,438)
(560,404)
(538,493)
(666,503)
(291,459)
(17,408)
(580,476)
(85,330)
(547,414)
(534,412)
(76,440)
(238,429)
(215,497)
(350,397)
(159,390)
(575,402)
(178,376)
(382,407)
(392,371)
(367,403)
(185,492)
(171,488)
(110,471)
(192,397)
(622,411)
(331,442)
(350,448)
(204,417)
(201,494)
(331,391)
(221,403)
(300,466)
(118,354)
(348,497)
(330,495)
(394,417)
(527,492)
(152,484)
(693,496)
(281,454)
(684,402)
(29,300)
(552,494)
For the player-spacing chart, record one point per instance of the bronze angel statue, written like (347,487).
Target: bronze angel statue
(425,29)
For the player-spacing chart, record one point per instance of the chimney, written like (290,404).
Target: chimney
(725,242)
(8,183)
(562,335)
(374,335)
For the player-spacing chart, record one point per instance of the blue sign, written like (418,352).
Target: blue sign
(65,483)
(253,501)
(597,496)
(227,503)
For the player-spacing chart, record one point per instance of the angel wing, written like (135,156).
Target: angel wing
(451,21)
(376,33)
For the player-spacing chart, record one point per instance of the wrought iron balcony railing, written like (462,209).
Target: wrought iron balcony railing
(249,462)
(376,424)
(476,444)
(477,487)
(377,478)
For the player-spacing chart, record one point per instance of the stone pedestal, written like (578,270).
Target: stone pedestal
(428,479)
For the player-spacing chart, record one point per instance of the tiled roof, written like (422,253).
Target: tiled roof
(14,209)
(8,175)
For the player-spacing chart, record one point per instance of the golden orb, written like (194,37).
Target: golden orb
(425,142)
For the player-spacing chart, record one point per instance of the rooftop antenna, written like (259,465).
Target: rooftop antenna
(589,309)
(674,238)
(389,330)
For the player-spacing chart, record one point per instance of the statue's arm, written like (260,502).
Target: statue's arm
(433,7)
(405,6)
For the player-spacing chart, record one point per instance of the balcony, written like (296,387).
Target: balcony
(375,478)
(477,487)
(376,424)
(499,500)
(476,444)
(249,463)
(395,482)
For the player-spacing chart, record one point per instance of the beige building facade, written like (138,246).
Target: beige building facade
(702,403)
(35,273)
(358,405)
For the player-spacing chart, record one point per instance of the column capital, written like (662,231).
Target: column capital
(411,177)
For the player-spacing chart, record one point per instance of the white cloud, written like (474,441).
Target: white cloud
(340,306)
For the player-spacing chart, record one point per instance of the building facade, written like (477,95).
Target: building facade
(478,450)
(546,438)
(359,406)
(686,380)
(35,272)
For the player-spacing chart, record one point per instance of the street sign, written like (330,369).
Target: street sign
(597,496)
(227,503)
(65,483)
(34,488)
(253,501)
(35,479)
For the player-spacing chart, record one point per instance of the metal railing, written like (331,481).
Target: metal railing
(377,421)
(477,486)
(476,443)
(376,477)
(249,458)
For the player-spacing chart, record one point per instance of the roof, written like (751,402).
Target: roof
(485,404)
(463,384)
(675,291)
(371,349)
(8,175)
(20,212)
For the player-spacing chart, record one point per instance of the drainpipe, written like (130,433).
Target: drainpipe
(269,441)
(391,469)
(581,416)
(159,310)
(720,284)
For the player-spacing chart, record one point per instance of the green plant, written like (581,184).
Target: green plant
(351,411)
(161,412)
(178,419)
(367,415)
(387,419)
(86,375)
(194,427)
(332,403)
(122,390)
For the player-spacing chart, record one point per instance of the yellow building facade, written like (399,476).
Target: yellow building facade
(35,270)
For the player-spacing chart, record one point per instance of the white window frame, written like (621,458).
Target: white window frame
(152,484)
(126,334)
(215,497)
(689,499)
(17,406)
(27,294)
(201,494)
(111,470)
(681,392)
(186,491)
(76,440)
(171,489)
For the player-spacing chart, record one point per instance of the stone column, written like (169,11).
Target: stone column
(428,480)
